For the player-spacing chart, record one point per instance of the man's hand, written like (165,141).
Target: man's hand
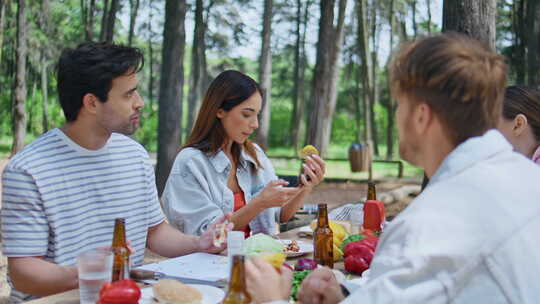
(265,284)
(205,242)
(320,287)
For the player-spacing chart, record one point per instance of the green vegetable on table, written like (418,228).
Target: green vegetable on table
(351,238)
(298,277)
(260,243)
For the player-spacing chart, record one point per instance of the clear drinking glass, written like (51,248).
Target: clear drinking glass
(95,269)
(357,219)
(235,244)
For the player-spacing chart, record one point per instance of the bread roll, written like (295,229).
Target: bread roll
(168,291)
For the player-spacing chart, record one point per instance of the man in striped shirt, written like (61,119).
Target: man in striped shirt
(63,191)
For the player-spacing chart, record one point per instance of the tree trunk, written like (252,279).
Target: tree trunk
(104,23)
(134,5)
(324,88)
(389,105)
(519,40)
(109,34)
(365,72)
(533,42)
(3,5)
(475,18)
(45,94)
(415,26)
(428,4)
(265,75)
(19,113)
(198,66)
(376,95)
(151,78)
(297,118)
(89,29)
(170,93)
(296,103)
(374,76)
(87,18)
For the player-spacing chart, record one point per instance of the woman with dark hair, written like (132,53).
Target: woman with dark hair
(219,170)
(520,120)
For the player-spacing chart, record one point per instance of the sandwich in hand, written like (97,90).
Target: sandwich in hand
(220,234)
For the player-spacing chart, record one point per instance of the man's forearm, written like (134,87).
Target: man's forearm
(37,277)
(167,241)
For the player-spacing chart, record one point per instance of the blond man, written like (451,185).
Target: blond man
(471,236)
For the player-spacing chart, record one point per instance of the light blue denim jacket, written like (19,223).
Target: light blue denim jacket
(196,193)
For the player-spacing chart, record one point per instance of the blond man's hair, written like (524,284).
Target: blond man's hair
(459,78)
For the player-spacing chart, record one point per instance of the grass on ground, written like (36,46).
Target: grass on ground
(342,168)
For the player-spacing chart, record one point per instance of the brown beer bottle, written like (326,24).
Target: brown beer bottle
(371,192)
(237,293)
(120,251)
(323,239)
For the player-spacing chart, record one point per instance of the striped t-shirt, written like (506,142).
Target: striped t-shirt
(59,199)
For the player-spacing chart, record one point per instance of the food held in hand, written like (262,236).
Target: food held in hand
(303,154)
(123,291)
(307,151)
(292,247)
(220,234)
(167,291)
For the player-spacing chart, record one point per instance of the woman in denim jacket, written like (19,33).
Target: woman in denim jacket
(219,170)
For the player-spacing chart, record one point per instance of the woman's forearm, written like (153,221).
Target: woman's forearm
(244,215)
(289,209)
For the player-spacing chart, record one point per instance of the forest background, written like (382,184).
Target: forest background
(322,64)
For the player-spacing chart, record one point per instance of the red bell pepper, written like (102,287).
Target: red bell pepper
(374,215)
(360,249)
(371,242)
(123,291)
(355,264)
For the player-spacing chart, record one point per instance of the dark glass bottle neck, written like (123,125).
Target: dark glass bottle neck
(322,220)
(238,278)
(119,236)
(372,193)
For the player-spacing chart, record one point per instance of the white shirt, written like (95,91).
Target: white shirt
(470,237)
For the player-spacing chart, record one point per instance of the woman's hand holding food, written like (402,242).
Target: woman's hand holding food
(314,167)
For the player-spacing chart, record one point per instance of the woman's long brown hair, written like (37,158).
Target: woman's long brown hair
(523,100)
(227,90)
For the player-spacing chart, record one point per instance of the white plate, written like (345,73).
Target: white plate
(305,248)
(211,294)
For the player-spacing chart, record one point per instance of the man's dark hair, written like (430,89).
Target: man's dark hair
(90,69)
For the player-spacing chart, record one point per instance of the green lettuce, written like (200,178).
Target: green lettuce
(260,243)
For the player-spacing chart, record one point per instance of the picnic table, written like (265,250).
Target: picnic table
(72,296)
